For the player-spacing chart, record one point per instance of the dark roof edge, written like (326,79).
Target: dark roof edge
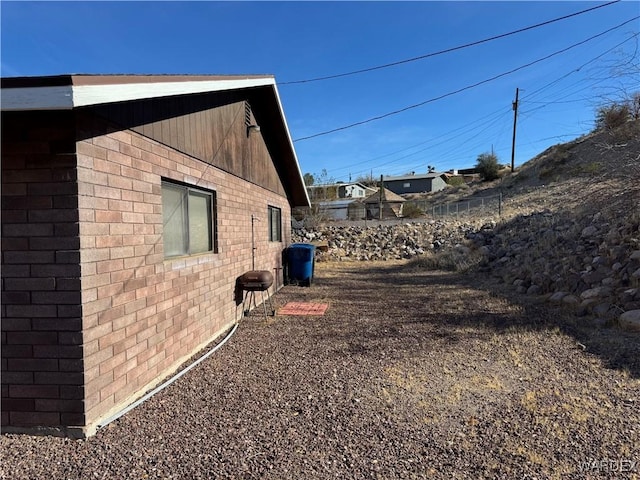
(112,79)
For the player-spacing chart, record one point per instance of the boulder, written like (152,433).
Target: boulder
(630,320)
(595,293)
(589,231)
(557,297)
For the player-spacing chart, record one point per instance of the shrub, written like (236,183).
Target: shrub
(591,168)
(634,106)
(488,166)
(455,181)
(411,210)
(612,116)
(448,260)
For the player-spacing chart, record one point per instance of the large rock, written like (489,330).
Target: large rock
(630,320)
(589,231)
(595,293)
(557,297)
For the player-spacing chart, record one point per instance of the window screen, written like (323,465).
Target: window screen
(189,220)
(275,224)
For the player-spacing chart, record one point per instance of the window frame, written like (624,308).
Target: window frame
(189,192)
(270,215)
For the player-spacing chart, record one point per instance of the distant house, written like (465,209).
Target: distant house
(342,209)
(454,175)
(354,190)
(339,191)
(340,201)
(127,216)
(421,183)
(391,205)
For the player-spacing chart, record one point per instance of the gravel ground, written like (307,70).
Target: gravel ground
(409,374)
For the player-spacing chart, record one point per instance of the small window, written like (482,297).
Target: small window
(275,224)
(407,185)
(188,219)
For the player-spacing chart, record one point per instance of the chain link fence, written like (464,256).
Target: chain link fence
(472,206)
(478,206)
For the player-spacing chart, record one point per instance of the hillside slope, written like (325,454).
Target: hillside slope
(569,228)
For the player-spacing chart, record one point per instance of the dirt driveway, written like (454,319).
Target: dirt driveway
(409,374)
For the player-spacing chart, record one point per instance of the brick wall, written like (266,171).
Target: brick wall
(143,315)
(42,366)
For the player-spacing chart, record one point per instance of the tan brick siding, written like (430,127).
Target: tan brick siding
(144,315)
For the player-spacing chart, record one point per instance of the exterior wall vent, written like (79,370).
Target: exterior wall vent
(247,114)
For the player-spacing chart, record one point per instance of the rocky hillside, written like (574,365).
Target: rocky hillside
(569,229)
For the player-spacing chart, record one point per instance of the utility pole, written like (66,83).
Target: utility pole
(513,142)
(381,196)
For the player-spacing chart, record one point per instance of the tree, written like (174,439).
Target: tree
(323,178)
(488,166)
(308,179)
(367,180)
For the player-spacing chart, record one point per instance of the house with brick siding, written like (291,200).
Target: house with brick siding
(127,208)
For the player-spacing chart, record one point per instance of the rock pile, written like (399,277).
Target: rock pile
(386,241)
(590,263)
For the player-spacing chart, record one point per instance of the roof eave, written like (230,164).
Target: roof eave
(74,91)
(82,94)
(306,200)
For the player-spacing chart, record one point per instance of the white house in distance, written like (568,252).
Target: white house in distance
(339,191)
(340,201)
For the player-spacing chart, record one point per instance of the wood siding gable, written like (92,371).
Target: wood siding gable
(210,127)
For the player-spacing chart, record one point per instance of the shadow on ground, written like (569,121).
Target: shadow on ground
(436,307)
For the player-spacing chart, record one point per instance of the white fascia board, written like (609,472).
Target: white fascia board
(68,97)
(293,150)
(86,95)
(37,98)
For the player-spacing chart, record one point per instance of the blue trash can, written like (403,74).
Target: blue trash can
(300,263)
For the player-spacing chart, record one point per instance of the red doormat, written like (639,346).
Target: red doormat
(299,308)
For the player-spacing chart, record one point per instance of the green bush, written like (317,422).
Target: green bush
(411,210)
(488,166)
(456,181)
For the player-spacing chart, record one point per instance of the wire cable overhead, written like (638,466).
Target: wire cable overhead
(448,50)
(468,87)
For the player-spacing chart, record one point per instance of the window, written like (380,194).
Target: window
(275,224)
(406,185)
(188,219)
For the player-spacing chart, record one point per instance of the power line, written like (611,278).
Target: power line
(450,138)
(448,50)
(635,35)
(466,147)
(468,87)
(474,124)
(553,99)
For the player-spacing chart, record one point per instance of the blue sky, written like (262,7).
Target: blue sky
(305,40)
